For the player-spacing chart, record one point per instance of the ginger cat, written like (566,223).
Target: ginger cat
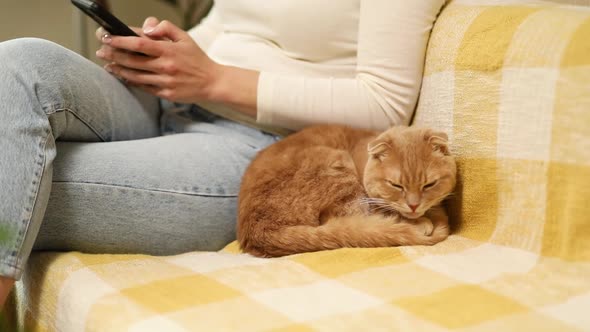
(330,186)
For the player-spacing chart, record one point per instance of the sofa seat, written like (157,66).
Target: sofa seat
(460,284)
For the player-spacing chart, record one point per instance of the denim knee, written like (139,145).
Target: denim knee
(31,52)
(51,74)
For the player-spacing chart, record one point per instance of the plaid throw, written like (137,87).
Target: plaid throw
(510,83)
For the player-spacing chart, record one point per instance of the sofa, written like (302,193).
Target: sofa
(509,81)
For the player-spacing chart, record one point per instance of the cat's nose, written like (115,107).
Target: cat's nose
(413,207)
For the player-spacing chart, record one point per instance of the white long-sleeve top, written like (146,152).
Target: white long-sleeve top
(355,62)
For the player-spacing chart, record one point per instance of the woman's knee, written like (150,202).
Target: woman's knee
(31,52)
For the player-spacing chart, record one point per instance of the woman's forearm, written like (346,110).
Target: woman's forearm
(177,69)
(237,88)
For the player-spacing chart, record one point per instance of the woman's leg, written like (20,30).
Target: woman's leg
(49,93)
(160,196)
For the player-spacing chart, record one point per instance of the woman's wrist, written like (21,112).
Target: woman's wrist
(235,87)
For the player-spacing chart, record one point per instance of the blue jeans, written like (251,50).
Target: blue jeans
(84,165)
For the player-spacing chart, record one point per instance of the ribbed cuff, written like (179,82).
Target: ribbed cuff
(265,105)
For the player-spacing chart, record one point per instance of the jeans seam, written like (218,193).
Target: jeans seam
(148,189)
(74,113)
(10,264)
(21,238)
(15,269)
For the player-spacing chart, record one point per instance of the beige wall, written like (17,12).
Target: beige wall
(48,19)
(59,21)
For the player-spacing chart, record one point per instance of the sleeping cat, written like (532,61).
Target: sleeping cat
(330,186)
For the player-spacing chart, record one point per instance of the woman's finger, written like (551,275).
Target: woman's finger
(159,91)
(136,44)
(127,59)
(154,90)
(166,30)
(134,76)
(100,33)
(150,22)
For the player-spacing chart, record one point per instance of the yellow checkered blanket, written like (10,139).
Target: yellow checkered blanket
(510,83)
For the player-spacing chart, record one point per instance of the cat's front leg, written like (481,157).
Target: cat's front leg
(439,218)
(435,219)
(425,225)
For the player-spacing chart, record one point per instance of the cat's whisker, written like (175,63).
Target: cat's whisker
(383,203)
(380,206)
(363,202)
(390,209)
(397,206)
(372,201)
(384,211)
(385,208)
(376,200)
(367,199)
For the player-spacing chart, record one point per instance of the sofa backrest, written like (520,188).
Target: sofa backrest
(510,84)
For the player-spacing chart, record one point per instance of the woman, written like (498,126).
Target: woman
(83,151)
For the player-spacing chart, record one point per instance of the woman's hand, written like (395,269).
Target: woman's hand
(174,67)
(102,35)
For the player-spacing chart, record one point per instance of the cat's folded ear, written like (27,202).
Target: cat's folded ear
(438,140)
(379,147)
(342,161)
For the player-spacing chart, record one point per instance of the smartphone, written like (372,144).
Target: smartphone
(105,19)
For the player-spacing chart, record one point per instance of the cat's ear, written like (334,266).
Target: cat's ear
(378,148)
(439,141)
(341,162)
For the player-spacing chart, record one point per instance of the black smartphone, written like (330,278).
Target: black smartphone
(104,18)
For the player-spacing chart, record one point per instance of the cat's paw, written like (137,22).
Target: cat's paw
(425,225)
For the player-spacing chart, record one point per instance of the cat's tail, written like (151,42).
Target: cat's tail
(351,231)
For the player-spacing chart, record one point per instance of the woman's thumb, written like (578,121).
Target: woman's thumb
(165,29)
(150,22)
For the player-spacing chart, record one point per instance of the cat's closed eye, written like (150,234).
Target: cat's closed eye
(395,185)
(429,185)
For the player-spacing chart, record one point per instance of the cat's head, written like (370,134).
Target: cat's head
(409,170)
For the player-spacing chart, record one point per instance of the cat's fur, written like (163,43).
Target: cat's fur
(329,187)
